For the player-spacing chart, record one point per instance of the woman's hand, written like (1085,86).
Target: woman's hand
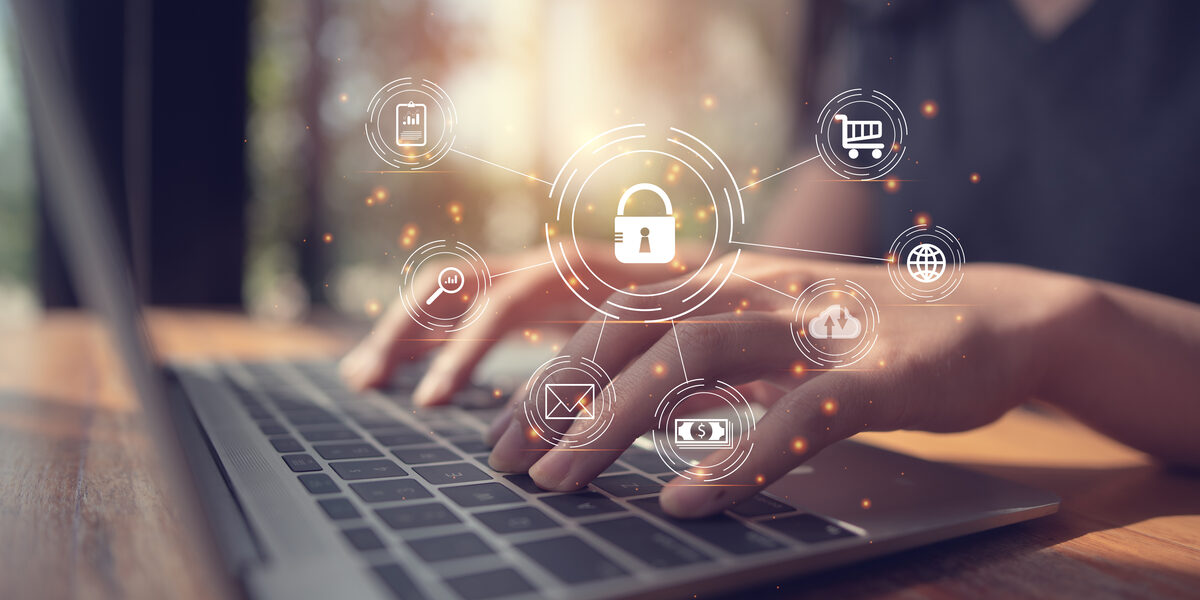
(936,367)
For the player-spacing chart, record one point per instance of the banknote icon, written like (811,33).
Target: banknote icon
(702,433)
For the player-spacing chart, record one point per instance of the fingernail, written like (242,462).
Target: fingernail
(689,501)
(433,387)
(511,453)
(551,470)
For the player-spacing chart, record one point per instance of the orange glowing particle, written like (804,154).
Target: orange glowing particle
(866,503)
(882,363)
(921,219)
(328,238)
(797,369)
(675,168)
(344,97)
(496,393)
(370,201)
(531,433)
(974,178)
(829,407)
(745,303)
(380,194)
(759,479)
(929,108)
(891,185)
(660,369)
(671,177)
(799,445)
(372,308)
(455,209)
(895,146)
(411,231)
(958,318)
(708,101)
(754,171)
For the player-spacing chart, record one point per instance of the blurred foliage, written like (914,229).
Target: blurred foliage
(531,80)
(16,181)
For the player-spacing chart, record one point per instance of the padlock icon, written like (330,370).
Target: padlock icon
(644,240)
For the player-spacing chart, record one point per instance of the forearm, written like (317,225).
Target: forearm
(1127,362)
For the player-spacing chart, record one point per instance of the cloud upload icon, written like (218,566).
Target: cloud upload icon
(835,323)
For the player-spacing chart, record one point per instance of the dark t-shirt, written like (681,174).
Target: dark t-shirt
(1087,145)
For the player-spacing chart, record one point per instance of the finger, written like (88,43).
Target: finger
(513,298)
(830,407)
(372,361)
(519,446)
(726,347)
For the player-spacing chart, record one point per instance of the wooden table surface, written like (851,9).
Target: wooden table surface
(82,514)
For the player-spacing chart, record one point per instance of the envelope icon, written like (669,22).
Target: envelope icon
(570,401)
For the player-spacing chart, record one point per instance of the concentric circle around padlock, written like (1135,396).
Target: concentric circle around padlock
(638,241)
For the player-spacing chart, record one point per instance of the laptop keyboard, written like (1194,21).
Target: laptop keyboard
(420,482)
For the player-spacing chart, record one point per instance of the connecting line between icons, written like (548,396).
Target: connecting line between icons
(858,256)
(760,284)
(679,347)
(488,162)
(541,264)
(754,183)
(598,337)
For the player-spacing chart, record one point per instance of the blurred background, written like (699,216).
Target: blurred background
(270,203)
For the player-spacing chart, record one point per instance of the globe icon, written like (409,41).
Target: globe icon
(926,263)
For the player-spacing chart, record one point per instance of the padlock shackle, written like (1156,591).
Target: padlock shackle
(644,187)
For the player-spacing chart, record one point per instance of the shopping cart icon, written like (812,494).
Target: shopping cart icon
(856,133)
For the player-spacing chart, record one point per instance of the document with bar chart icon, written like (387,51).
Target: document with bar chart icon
(410,124)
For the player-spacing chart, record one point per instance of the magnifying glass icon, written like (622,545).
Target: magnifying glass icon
(450,281)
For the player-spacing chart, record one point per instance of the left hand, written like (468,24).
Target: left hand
(937,367)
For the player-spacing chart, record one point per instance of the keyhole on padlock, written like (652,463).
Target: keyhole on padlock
(645,247)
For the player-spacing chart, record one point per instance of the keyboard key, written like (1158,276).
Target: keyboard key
(378,421)
(319,483)
(525,482)
(400,584)
(418,515)
(362,538)
(460,472)
(406,437)
(301,462)
(329,434)
(390,490)
(343,451)
(472,446)
(571,560)
(339,508)
(489,584)
(367,469)
(286,444)
(516,520)
(271,427)
(483,494)
(581,504)
(423,455)
(448,547)
(807,528)
(449,430)
(629,484)
(722,531)
(647,542)
(646,461)
(309,416)
(760,505)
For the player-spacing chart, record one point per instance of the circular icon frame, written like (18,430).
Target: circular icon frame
(389,98)
(541,399)
(887,153)
(621,302)
(803,316)
(937,287)
(737,448)
(416,306)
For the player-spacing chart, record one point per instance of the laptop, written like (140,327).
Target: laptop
(302,489)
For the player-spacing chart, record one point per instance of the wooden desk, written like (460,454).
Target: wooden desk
(81,515)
